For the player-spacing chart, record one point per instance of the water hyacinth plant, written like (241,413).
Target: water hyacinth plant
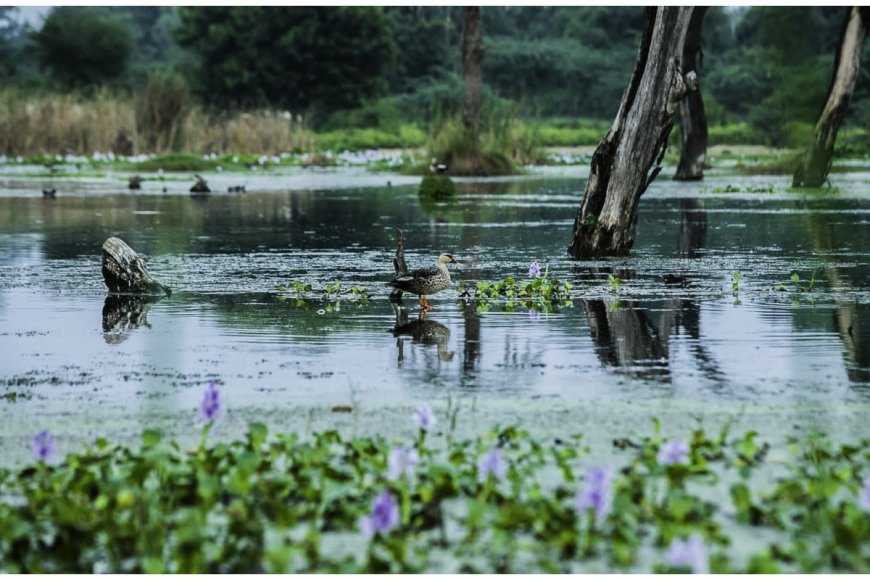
(674,452)
(540,292)
(402,461)
(596,494)
(491,463)
(690,553)
(43,446)
(383,518)
(210,407)
(424,418)
(292,503)
(864,496)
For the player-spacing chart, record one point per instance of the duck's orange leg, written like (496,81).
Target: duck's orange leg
(424,303)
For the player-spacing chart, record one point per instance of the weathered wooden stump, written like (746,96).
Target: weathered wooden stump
(125,272)
(399,264)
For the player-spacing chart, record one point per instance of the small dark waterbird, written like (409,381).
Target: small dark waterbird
(201,186)
(426,281)
(134,182)
(49,193)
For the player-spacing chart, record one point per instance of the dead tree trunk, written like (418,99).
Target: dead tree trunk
(693,120)
(125,272)
(628,158)
(472,56)
(814,166)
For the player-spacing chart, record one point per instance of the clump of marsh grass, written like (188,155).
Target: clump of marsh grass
(160,111)
(50,124)
(161,118)
(504,143)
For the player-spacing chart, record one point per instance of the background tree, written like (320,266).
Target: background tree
(813,168)
(693,120)
(293,57)
(83,46)
(629,156)
(472,56)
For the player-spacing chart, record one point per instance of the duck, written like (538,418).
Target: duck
(426,281)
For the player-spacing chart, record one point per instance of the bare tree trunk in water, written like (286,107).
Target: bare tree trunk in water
(693,120)
(813,168)
(472,56)
(628,158)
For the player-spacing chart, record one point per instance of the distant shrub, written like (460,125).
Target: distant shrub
(177,162)
(437,187)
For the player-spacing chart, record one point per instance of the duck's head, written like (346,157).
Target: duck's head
(447,259)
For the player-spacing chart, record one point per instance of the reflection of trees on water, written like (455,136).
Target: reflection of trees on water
(635,339)
(850,319)
(693,228)
(122,314)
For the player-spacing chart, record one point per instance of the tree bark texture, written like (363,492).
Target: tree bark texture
(629,156)
(814,166)
(693,120)
(472,56)
(124,272)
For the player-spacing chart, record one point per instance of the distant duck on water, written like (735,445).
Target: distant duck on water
(426,281)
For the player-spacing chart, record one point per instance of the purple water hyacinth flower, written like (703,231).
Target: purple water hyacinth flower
(674,452)
(534,315)
(402,461)
(210,407)
(596,493)
(43,446)
(534,270)
(864,496)
(384,516)
(424,418)
(690,553)
(492,462)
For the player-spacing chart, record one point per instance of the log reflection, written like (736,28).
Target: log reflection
(122,314)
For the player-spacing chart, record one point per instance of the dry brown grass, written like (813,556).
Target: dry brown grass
(72,124)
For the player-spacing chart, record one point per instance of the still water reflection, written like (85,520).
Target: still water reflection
(675,328)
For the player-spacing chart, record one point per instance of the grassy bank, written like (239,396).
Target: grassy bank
(52,128)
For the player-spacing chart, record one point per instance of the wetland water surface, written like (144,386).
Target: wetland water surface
(676,337)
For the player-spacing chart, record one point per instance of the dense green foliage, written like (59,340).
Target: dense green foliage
(291,57)
(503,501)
(83,46)
(763,71)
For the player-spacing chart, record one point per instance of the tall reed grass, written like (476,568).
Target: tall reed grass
(159,119)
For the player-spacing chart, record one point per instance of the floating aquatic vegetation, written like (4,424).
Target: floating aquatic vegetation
(287,503)
(541,293)
(330,295)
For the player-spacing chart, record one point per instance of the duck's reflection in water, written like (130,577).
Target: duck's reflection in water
(420,330)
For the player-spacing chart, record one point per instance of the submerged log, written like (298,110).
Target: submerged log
(814,166)
(629,156)
(124,271)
